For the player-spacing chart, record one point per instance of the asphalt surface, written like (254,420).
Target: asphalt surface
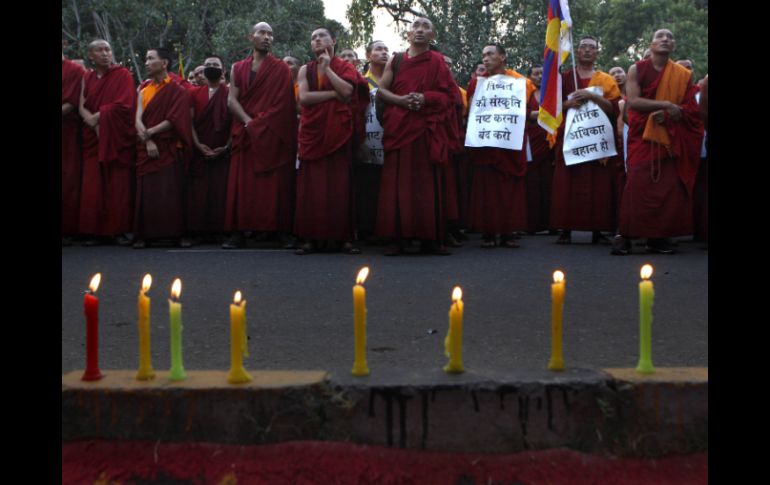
(299,309)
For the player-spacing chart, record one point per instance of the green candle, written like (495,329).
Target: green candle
(175,311)
(646,297)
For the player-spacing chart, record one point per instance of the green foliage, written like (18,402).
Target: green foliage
(624,28)
(194,28)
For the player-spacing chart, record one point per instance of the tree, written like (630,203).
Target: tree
(624,28)
(193,28)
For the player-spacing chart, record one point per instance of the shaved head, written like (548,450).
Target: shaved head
(261,26)
(97,43)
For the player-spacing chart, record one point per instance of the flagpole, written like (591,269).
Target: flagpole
(574,62)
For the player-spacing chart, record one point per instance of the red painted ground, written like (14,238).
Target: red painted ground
(314,462)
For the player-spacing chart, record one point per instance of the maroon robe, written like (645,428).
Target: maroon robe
(657,198)
(107,192)
(582,197)
(324,194)
(539,174)
(498,197)
(207,178)
(260,187)
(160,198)
(416,147)
(71,158)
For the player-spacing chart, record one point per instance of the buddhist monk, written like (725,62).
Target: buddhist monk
(71,158)
(540,169)
(416,127)
(498,197)
(260,189)
(331,93)
(368,171)
(664,142)
(107,107)
(583,194)
(163,129)
(210,161)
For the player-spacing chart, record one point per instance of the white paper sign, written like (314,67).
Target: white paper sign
(498,113)
(374,132)
(588,133)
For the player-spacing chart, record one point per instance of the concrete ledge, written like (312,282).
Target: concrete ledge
(601,411)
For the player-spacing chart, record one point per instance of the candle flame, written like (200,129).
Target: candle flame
(95,282)
(646,271)
(146,283)
(457,294)
(176,288)
(558,276)
(362,275)
(237,298)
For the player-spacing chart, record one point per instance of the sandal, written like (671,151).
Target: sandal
(509,242)
(489,242)
(306,248)
(140,244)
(349,248)
(565,237)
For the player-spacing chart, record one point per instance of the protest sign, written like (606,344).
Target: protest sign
(588,133)
(497,113)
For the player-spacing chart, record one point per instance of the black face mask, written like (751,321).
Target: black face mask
(212,73)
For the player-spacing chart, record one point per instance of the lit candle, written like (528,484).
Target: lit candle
(91,305)
(145,372)
(557,311)
(646,297)
(360,367)
(454,342)
(175,310)
(238,347)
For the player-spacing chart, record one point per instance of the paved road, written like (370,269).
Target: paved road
(300,308)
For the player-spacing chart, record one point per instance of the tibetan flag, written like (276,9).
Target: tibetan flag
(558,45)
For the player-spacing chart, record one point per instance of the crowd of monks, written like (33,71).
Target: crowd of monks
(284,152)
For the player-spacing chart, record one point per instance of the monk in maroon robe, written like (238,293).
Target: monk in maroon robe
(260,189)
(583,194)
(163,127)
(416,142)
(331,93)
(210,160)
(498,197)
(664,142)
(71,158)
(107,106)
(540,169)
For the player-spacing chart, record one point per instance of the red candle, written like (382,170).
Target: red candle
(91,304)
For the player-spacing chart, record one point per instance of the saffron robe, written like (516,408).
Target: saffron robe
(107,191)
(324,190)
(160,196)
(498,197)
(207,178)
(71,158)
(416,147)
(583,195)
(657,198)
(260,187)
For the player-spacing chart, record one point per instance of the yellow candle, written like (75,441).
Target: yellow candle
(360,367)
(145,366)
(238,347)
(646,297)
(177,372)
(557,311)
(454,342)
